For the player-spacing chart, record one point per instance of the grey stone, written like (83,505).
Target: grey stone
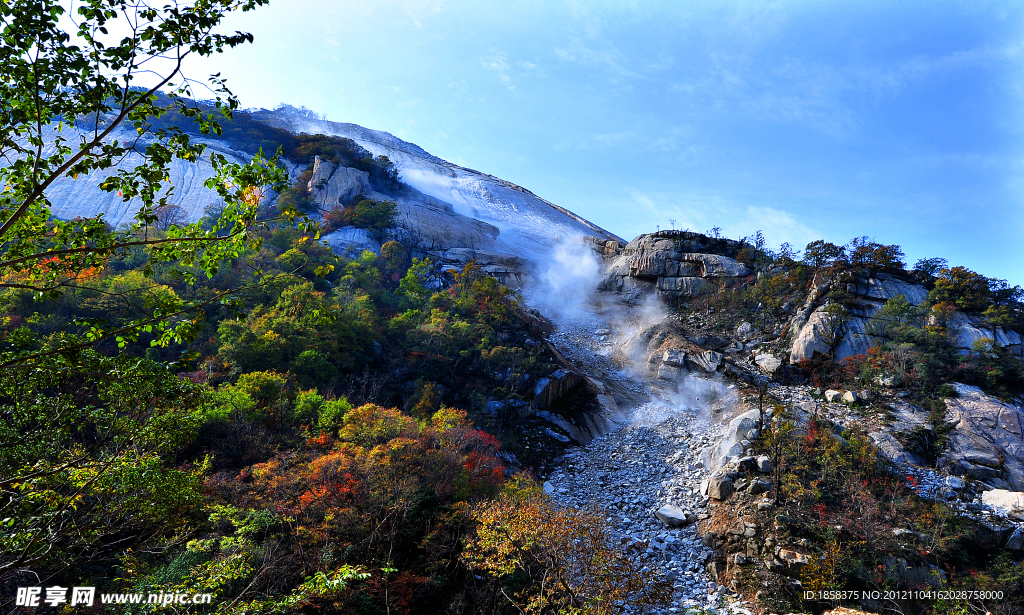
(891,449)
(987,439)
(1016,540)
(334,186)
(708,361)
(759,486)
(832,395)
(814,338)
(720,487)
(850,397)
(675,357)
(764,464)
(548,488)
(673,516)
(746,331)
(768,363)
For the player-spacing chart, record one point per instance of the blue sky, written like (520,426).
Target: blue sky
(902,121)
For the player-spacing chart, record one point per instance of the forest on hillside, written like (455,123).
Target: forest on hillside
(226,407)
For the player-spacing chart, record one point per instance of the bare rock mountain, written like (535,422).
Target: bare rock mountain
(448,212)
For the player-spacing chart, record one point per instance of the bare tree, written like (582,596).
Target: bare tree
(170,215)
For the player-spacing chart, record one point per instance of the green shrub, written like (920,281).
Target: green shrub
(306,408)
(313,367)
(332,415)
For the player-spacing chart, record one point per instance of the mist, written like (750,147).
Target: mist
(564,287)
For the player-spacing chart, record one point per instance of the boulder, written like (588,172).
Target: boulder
(832,395)
(1016,540)
(673,516)
(746,331)
(720,487)
(670,372)
(987,439)
(759,486)
(548,488)
(764,464)
(745,464)
(814,338)
(731,446)
(768,363)
(549,391)
(850,397)
(708,361)
(1008,503)
(351,240)
(891,449)
(675,357)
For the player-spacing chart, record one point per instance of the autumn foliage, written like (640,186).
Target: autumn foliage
(565,555)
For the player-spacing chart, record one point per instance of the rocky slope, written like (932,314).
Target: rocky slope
(521,223)
(448,212)
(653,399)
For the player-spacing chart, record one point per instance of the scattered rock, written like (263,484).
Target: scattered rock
(793,559)
(832,395)
(548,488)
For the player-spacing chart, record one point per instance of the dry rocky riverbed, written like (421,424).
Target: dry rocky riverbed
(652,460)
(646,475)
(635,471)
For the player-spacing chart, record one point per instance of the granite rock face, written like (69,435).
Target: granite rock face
(815,333)
(81,197)
(334,186)
(816,337)
(675,263)
(987,440)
